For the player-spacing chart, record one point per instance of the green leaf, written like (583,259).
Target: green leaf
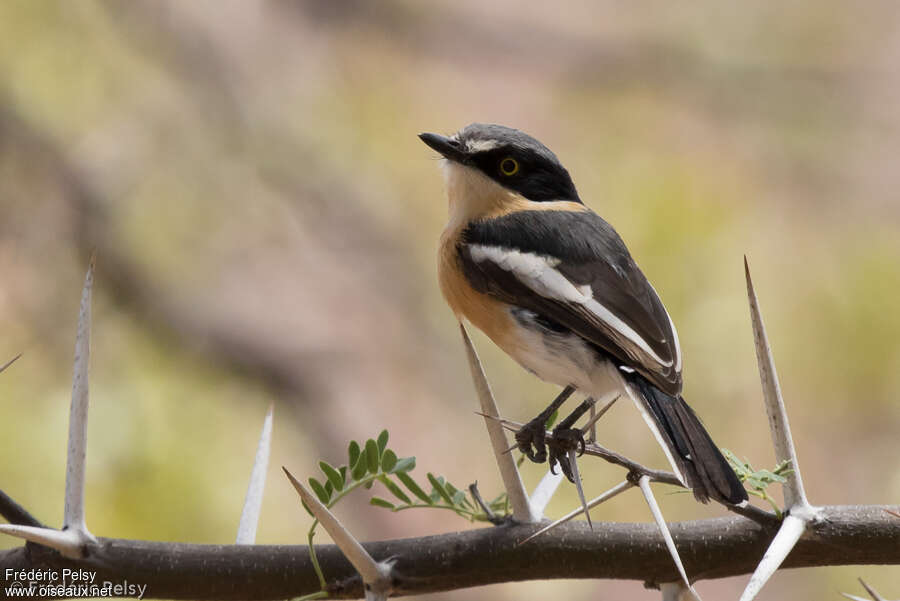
(382,441)
(388,461)
(379,502)
(395,490)
(372,455)
(439,487)
(319,490)
(332,474)
(413,487)
(362,464)
(308,510)
(458,498)
(329,488)
(551,420)
(405,464)
(353,453)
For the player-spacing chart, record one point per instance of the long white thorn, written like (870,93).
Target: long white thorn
(246,534)
(512,480)
(376,576)
(10,362)
(573,462)
(800,512)
(612,492)
(644,484)
(595,416)
(872,592)
(73,516)
(794,494)
(544,491)
(789,533)
(68,542)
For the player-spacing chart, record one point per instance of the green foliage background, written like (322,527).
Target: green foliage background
(266,222)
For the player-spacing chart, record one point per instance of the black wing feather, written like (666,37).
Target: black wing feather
(591,253)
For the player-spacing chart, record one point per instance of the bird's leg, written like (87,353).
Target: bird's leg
(530,437)
(566,438)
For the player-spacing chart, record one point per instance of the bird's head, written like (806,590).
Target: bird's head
(481,156)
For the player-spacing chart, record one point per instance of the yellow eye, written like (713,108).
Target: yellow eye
(509,166)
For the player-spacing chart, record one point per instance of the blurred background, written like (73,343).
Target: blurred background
(266,223)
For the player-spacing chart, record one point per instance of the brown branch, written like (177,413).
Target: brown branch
(712,548)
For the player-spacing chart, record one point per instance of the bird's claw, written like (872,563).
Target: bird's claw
(530,440)
(563,441)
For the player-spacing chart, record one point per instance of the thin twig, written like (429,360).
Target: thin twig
(596,450)
(15,513)
(8,363)
(488,512)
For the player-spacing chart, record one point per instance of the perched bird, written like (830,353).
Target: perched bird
(552,284)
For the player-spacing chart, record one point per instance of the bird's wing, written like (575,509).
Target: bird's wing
(573,268)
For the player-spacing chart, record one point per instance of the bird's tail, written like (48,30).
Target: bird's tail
(688,445)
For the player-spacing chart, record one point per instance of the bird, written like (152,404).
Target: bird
(552,284)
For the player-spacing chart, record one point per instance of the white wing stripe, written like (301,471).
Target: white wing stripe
(675,343)
(540,274)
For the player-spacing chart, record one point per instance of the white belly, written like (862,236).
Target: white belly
(564,360)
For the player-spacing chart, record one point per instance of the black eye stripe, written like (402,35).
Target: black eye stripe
(537,178)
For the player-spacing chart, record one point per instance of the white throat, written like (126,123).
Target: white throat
(472,194)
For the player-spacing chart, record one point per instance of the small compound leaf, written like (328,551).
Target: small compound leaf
(395,490)
(405,464)
(334,476)
(382,441)
(353,453)
(379,502)
(320,491)
(362,464)
(372,455)
(439,488)
(388,461)
(413,487)
(458,498)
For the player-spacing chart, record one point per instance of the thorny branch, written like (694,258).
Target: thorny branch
(712,548)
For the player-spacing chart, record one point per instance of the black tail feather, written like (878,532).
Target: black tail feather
(702,464)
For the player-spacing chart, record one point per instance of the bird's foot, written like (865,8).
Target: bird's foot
(531,440)
(565,439)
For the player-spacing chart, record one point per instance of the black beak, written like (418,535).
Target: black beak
(449,148)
